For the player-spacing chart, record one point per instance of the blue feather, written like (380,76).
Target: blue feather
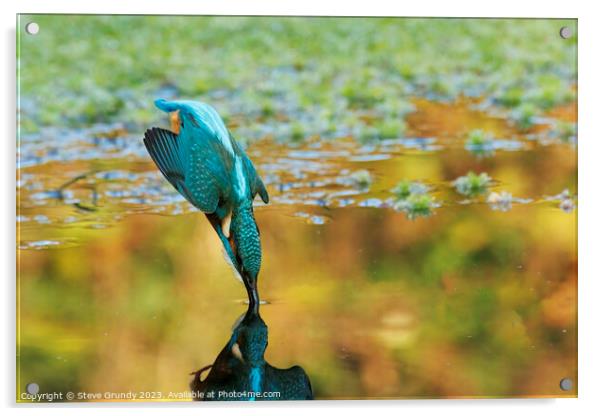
(255,380)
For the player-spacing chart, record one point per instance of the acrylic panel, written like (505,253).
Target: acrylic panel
(291,208)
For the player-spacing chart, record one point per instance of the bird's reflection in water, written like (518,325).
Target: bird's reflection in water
(240,371)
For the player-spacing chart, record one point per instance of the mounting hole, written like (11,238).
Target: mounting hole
(566,32)
(566,384)
(32,388)
(32,28)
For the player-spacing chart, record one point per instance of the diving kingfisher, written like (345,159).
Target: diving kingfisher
(241,367)
(209,168)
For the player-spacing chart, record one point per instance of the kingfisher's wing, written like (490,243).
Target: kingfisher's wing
(208,179)
(255,182)
(206,155)
(292,383)
(166,152)
(198,185)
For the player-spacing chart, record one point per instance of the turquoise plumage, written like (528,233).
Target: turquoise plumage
(241,367)
(207,166)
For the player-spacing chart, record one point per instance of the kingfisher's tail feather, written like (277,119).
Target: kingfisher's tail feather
(164,148)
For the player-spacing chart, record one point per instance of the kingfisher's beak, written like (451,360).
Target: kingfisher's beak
(253,294)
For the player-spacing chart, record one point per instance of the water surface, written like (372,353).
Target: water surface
(123,285)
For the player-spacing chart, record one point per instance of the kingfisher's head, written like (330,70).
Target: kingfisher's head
(250,339)
(186,114)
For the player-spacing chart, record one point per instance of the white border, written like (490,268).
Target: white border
(590,137)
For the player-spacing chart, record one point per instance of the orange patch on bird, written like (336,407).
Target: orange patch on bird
(232,244)
(174,119)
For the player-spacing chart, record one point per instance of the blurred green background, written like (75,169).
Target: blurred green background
(288,76)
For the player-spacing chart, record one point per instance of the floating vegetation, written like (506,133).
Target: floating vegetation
(297,132)
(511,96)
(500,201)
(503,201)
(416,205)
(550,91)
(413,199)
(567,205)
(272,84)
(543,91)
(359,95)
(524,115)
(472,184)
(567,201)
(368,133)
(565,131)
(406,188)
(391,129)
(396,108)
(480,143)
(361,179)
